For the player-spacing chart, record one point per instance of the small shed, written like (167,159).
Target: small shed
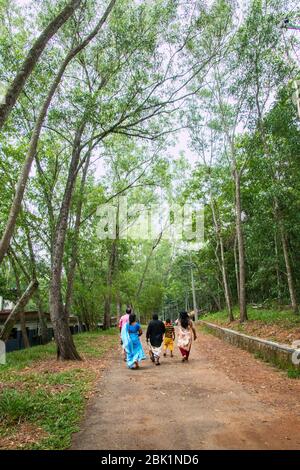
(15,340)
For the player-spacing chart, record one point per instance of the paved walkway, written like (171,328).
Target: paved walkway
(223,398)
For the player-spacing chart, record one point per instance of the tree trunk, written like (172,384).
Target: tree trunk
(282,234)
(216,301)
(20,305)
(42,319)
(32,58)
(65,346)
(223,265)
(66,349)
(225,282)
(106,319)
(87,317)
(75,239)
(277,269)
(119,306)
(195,305)
(112,265)
(24,330)
(241,248)
(289,273)
(110,273)
(118,295)
(22,181)
(25,338)
(236,268)
(48,199)
(21,315)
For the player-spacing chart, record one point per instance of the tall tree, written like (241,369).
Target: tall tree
(21,185)
(19,81)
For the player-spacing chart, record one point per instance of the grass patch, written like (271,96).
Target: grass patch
(281,326)
(293,374)
(283,318)
(37,392)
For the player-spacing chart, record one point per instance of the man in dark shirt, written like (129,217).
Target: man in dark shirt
(154,337)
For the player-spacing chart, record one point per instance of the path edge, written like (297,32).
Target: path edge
(281,355)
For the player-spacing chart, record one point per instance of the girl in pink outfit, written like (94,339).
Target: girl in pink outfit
(123,321)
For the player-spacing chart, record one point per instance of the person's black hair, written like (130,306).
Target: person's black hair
(132,318)
(168,320)
(128,310)
(184,319)
(155,316)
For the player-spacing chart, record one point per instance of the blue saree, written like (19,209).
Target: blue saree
(132,344)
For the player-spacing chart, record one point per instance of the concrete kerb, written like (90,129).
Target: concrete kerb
(282,355)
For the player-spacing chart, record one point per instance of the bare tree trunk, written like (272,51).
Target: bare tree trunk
(110,273)
(23,323)
(119,306)
(225,282)
(236,267)
(283,238)
(24,330)
(118,296)
(195,305)
(277,269)
(48,199)
(42,320)
(241,248)
(21,314)
(86,315)
(21,185)
(112,266)
(106,319)
(20,305)
(289,273)
(75,239)
(65,345)
(15,259)
(216,300)
(288,267)
(32,58)
(223,264)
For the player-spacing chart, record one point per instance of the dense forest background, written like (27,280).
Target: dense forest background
(95,97)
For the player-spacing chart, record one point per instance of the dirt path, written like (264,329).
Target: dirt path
(223,398)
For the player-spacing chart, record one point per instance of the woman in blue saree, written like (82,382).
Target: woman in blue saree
(130,335)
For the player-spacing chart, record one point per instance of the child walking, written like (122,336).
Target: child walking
(169,337)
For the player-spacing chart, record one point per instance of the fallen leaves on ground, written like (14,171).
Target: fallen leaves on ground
(272,332)
(24,434)
(272,384)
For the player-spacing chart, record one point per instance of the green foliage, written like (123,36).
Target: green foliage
(284,318)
